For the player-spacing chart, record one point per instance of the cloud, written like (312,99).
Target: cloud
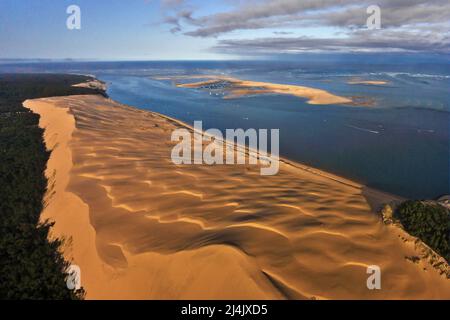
(282,32)
(359,41)
(176,21)
(175,12)
(172,3)
(337,13)
(399,19)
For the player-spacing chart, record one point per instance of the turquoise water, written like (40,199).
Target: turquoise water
(400,144)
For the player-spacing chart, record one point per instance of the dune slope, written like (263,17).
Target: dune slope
(141,227)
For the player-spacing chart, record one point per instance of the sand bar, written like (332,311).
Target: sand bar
(141,227)
(369,82)
(238,88)
(92,84)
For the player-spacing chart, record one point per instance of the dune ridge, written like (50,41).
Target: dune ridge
(141,227)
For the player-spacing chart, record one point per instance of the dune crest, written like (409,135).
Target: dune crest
(142,227)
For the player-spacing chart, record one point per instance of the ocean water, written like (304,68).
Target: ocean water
(399,144)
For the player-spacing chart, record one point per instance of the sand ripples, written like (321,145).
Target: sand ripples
(298,234)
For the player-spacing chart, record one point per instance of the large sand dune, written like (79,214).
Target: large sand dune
(141,227)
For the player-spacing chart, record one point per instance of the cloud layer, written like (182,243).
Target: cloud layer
(406,25)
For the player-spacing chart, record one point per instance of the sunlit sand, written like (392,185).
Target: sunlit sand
(141,227)
(238,88)
(92,84)
(369,82)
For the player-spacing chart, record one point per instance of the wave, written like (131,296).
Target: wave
(412,75)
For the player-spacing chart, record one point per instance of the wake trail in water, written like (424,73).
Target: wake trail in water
(363,129)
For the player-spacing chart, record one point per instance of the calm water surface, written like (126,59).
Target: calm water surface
(399,145)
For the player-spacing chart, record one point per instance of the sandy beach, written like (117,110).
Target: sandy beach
(141,227)
(238,88)
(368,82)
(92,84)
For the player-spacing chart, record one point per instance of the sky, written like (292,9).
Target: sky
(218,29)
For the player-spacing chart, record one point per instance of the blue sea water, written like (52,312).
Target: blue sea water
(399,144)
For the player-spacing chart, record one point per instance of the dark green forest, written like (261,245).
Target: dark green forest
(31,265)
(428,221)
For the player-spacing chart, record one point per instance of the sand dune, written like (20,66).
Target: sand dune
(144,228)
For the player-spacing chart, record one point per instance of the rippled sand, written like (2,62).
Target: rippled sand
(141,227)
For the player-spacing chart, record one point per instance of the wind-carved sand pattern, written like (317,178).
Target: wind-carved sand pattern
(236,88)
(144,228)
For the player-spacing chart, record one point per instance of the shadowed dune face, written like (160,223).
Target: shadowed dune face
(154,229)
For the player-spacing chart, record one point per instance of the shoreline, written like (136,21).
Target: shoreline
(293,163)
(115,260)
(236,88)
(94,84)
(369,82)
(376,193)
(290,162)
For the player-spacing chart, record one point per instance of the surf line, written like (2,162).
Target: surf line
(229,150)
